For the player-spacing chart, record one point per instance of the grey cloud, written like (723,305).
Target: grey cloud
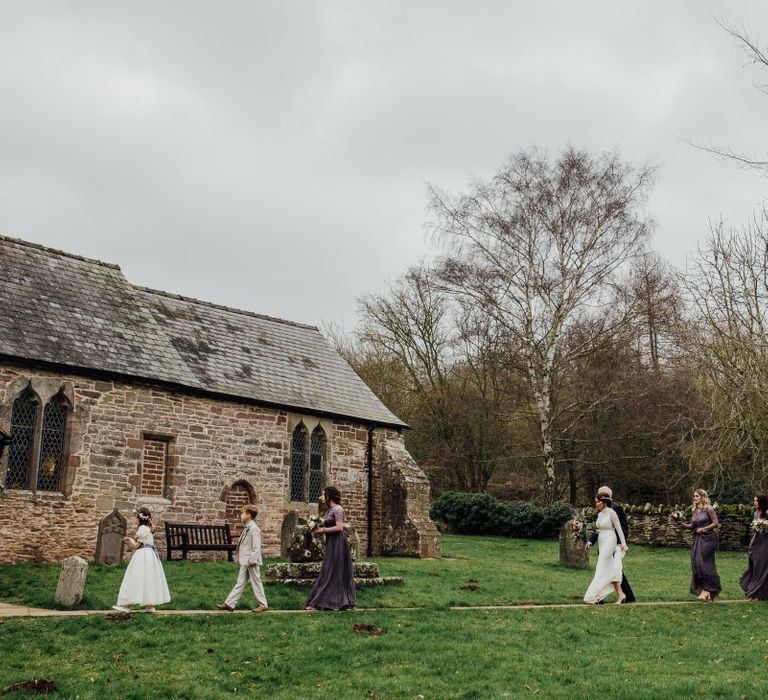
(272,155)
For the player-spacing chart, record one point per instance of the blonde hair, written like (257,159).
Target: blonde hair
(251,509)
(705,501)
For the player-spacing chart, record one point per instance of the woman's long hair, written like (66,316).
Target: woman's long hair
(762,504)
(705,500)
(331,493)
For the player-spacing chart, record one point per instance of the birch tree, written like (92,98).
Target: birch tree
(538,247)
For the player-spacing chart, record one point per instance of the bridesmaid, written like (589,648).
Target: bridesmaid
(335,586)
(754,580)
(705,580)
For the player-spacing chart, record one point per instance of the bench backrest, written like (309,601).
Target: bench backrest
(177,533)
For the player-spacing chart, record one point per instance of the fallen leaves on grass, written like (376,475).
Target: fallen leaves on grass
(370,629)
(470,587)
(36,686)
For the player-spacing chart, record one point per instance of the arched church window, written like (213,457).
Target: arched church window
(298,461)
(316,463)
(52,444)
(23,418)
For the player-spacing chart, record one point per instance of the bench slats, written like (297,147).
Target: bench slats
(189,537)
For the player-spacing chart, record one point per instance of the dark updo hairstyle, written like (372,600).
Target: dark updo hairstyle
(762,504)
(605,499)
(331,493)
(144,515)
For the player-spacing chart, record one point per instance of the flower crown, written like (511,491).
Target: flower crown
(140,515)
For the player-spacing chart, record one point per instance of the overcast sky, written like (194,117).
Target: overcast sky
(273,155)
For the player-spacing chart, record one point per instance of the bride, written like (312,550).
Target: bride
(608,569)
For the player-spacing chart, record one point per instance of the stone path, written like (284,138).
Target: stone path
(9,610)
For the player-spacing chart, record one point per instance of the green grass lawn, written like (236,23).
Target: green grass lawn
(507,571)
(701,650)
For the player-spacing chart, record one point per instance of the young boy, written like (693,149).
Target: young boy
(248,555)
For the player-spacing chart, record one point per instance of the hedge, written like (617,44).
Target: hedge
(482,514)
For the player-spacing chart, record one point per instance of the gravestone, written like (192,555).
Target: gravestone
(290,521)
(572,552)
(69,591)
(109,542)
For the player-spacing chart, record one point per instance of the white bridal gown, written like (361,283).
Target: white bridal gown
(609,561)
(144,581)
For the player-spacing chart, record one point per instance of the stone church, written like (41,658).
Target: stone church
(118,396)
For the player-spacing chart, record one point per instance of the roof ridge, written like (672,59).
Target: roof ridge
(57,251)
(244,312)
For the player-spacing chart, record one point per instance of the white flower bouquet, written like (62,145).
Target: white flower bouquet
(578,528)
(313,523)
(760,526)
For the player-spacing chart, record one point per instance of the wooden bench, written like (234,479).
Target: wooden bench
(191,537)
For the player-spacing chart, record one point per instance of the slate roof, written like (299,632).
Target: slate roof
(73,311)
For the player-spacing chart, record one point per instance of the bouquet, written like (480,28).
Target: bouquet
(678,516)
(314,522)
(578,528)
(760,526)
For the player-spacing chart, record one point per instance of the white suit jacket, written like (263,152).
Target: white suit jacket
(248,550)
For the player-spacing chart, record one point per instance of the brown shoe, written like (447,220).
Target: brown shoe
(260,608)
(224,606)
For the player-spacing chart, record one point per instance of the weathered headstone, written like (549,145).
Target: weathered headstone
(353,540)
(287,532)
(109,543)
(71,585)
(572,552)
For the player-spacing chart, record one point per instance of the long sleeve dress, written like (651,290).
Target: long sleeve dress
(703,547)
(754,580)
(610,558)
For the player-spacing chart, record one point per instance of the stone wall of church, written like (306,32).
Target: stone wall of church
(214,451)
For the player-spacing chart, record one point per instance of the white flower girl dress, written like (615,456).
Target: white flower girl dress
(144,581)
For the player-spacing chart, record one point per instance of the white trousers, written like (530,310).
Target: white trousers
(247,572)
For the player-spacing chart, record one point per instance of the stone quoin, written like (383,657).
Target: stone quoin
(118,396)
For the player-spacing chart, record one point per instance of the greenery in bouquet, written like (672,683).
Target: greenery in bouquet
(314,522)
(760,526)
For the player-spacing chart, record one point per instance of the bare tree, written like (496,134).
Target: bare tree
(755,55)
(439,364)
(728,291)
(656,295)
(538,247)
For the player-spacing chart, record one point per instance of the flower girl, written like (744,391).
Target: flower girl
(144,581)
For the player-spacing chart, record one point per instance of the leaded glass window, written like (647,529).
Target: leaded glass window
(52,444)
(316,460)
(298,460)
(23,417)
